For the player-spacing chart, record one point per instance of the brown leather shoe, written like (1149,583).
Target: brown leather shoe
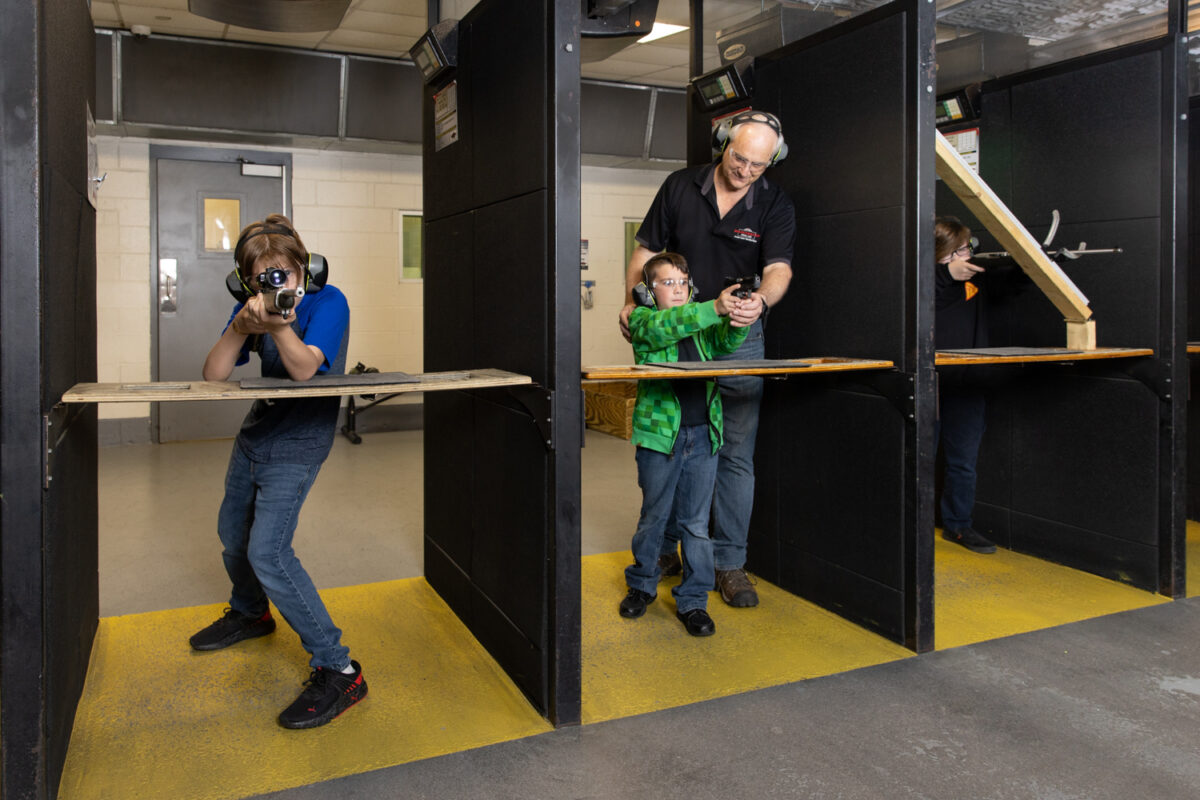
(736,589)
(669,565)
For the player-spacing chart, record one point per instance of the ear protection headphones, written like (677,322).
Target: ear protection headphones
(316,270)
(721,133)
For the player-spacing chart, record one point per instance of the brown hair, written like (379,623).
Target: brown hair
(273,239)
(650,270)
(948,235)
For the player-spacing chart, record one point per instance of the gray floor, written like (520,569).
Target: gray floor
(1108,708)
(362,522)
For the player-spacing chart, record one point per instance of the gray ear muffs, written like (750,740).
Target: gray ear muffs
(643,296)
(720,134)
(317,273)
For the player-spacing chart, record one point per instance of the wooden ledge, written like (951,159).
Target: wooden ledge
(174,391)
(793,366)
(944,358)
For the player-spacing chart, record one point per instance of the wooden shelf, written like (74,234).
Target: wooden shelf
(176,391)
(794,366)
(1045,354)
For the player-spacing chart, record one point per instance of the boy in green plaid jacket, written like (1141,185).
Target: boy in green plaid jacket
(677,427)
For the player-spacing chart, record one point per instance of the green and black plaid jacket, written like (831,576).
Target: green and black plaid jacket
(655,335)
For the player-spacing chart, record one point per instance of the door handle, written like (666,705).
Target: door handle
(168,285)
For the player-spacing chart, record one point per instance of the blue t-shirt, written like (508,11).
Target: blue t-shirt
(298,430)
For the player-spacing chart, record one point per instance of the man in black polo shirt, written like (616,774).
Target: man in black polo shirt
(728,221)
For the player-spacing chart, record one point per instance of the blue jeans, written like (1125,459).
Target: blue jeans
(679,487)
(257,520)
(961,423)
(733,497)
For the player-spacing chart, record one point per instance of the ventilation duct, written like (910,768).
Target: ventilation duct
(772,29)
(609,26)
(281,16)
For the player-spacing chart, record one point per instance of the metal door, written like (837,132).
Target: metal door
(194,254)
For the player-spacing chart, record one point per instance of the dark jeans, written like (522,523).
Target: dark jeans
(257,520)
(960,429)
(733,495)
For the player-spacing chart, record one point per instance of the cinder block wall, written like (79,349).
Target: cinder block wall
(346,206)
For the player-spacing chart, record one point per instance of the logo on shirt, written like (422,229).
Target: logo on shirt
(746,235)
(971,289)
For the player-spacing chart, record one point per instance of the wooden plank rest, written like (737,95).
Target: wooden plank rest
(1050,354)
(1193,347)
(1013,237)
(231,390)
(792,366)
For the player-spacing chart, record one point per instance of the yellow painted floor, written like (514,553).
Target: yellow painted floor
(632,666)
(981,597)
(158,720)
(1193,558)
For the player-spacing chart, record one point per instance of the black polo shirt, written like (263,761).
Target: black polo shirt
(760,229)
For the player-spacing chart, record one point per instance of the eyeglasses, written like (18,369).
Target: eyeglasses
(742,161)
(672,282)
(965,250)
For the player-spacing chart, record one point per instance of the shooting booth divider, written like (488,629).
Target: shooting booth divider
(842,516)
(1193,315)
(502,472)
(49,594)
(1083,463)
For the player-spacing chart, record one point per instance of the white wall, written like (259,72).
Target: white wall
(345,206)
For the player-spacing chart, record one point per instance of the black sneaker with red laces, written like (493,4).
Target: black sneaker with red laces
(327,693)
(970,539)
(231,629)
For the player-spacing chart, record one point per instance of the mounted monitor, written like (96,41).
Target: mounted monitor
(436,52)
(732,83)
(956,107)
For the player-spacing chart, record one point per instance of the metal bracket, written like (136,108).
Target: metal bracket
(539,402)
(55,424)
(899,388)
(1152,373)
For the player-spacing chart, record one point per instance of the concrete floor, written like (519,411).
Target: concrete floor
(1105,708)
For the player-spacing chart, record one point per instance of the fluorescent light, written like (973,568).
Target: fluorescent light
(660,30)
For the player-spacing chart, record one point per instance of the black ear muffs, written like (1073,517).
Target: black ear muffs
(721,133)
(317,273)
(644,296)
(237,287)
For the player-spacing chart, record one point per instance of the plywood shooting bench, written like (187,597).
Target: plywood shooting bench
(274,388)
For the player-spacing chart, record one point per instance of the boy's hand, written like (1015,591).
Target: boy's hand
(255,319)
(727,302)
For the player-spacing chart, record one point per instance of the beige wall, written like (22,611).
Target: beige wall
(346,207)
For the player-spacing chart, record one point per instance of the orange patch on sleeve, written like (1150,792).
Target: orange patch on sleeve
(971,288)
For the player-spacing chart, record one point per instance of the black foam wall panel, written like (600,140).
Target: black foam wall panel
(1077,465)
(838,501)
(502,248)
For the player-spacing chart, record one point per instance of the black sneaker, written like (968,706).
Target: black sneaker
(635,602)
(669,565)
(231,629)
(327,693)
(970,539)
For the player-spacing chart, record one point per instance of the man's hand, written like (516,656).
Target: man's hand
(623,320)
(963,270)
(746,310)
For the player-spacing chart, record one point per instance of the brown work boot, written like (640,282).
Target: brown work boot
(669,565)
(735,588)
